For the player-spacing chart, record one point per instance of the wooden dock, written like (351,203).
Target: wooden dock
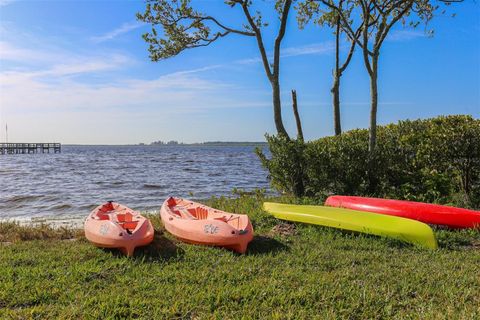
(23,148)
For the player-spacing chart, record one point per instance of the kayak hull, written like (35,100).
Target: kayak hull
(406,230)
(112,225)
(195,223)
(424,212)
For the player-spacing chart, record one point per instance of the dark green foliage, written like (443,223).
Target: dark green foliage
(14,232)
(286,166)
(433,160)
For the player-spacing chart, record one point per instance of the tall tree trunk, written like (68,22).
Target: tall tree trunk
(298,183)
(297,116)
(336,104)
(336,82)
(374,104)
(273,75)
(372,176)
(277,109)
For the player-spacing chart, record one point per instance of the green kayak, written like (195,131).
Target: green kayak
(418,233)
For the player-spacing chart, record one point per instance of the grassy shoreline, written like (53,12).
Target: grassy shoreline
(290,271)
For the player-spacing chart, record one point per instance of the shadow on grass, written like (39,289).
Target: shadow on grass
(160,249)
(263,245)
(355,240)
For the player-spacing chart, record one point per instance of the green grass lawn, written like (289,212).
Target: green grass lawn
(290,271)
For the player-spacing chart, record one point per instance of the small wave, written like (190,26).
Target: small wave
(8,172)
(22,198)
(152,186)
(63,206)
(88,207)
(215,174)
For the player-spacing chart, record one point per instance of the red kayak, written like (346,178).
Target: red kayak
(424,212)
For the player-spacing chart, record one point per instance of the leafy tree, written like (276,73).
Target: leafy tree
(186,28)
(376,18)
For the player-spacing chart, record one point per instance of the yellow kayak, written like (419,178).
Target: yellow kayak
(418,233)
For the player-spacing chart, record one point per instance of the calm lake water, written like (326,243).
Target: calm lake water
(70,184)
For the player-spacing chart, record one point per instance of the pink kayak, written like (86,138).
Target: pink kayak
(196,223)
(112,225)
(424,212)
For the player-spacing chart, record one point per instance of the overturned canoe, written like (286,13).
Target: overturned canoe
(112,225)
(402,229)
(198,224)
(424,212)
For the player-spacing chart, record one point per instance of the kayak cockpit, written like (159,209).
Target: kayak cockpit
(186,210)
(127,222)
(120,215)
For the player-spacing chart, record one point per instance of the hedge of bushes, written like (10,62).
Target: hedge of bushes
(432,160)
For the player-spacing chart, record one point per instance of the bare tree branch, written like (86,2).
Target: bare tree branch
(258,35)
(281,34)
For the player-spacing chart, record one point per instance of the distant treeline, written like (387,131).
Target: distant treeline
(208,143)
(162,143)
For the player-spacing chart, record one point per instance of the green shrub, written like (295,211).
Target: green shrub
(432,160)
(286,166)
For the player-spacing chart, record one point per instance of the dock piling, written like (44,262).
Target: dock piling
(24,148)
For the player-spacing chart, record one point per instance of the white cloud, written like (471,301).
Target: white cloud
(48,88)
(172,92)
(310,49)
(10,52)
(405,35)
(5,2)
(124,28)
(202,69)
(56,62)
(50,83)
(53,86)
(87,65)
(124,110)
(316,48)
(15,84)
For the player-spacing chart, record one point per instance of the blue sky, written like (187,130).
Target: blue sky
(79,72)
